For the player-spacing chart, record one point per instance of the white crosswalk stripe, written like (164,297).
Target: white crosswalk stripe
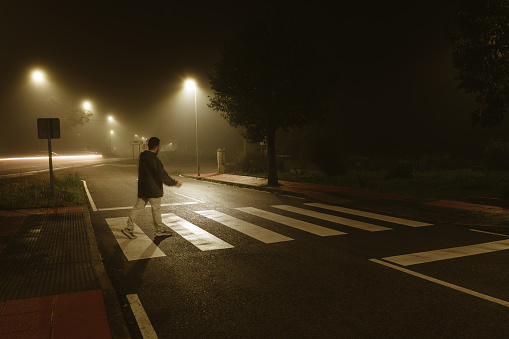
(295,223)
(143,247)
(448,253)
(254,231)
(140,248)
(394,220)
(339,220)
(194,234)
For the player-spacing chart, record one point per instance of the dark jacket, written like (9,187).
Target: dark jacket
(151,176)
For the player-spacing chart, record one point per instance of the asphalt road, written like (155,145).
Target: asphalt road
(220,277)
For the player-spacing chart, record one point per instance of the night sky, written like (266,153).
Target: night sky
(396,87)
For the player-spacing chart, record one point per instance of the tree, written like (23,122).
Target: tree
(271,76)
(70,115)
(480,38)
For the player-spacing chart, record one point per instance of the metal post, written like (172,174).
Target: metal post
(196,115)
(50,156)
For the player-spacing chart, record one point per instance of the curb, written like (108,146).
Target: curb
(116,320)
(259,188)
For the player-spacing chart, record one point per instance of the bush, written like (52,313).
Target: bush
(403,169)
(327,154)
(496,155)
(252,163)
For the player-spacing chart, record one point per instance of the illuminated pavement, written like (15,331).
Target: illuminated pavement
(53,283)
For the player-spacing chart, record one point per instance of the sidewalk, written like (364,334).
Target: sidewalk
(52,281)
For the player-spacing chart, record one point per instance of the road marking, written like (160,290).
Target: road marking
(295,223)
(147,206)
(185,196)
(448,253)
(254,231)
(94,208)
(502,235)
(194,234)
(134,249)
(382,217)
(144,324)
(343,221)
(444,283)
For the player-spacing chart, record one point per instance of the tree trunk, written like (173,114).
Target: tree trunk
(271,157)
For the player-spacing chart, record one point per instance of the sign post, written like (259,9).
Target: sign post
(49,128)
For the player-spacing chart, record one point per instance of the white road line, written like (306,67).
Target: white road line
(502,235)
(382,217)
(144,324)
(94,208)
(147,206)
(185,196)
(295,223)
(254,231)
(195,235)
(343,221)
(443,283)
(448,253)
(134,249)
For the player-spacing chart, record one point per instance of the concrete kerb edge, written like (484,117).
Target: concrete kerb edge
(116,320)
(259,188)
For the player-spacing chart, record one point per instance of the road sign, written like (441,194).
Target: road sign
(136,142)
(48,128)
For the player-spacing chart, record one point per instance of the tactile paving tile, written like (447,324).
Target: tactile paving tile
(48,255)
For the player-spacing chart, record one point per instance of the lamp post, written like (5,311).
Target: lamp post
(111,132)
(191,84)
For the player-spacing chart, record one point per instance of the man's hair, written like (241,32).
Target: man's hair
(153,142)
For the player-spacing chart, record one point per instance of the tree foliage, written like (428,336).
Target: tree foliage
(70,114)
(480,38)
(271,76)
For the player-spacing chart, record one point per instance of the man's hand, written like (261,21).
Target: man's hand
(178,184)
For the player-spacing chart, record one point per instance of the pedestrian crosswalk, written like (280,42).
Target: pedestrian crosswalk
(252,222)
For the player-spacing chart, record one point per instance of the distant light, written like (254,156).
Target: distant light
(93,156)
(38,76)
(111,132)
(87,105)
(110,118)
(190,84)
(136,135)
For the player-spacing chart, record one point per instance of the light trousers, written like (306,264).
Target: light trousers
(138,208)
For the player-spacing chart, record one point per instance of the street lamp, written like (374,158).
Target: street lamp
(111,133)
(38,76)
(191,85)
(87,105)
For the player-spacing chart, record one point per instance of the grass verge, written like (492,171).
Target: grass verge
(457,184)
(34,191)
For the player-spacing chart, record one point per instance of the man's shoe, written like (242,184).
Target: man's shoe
(128,233)
(163,232)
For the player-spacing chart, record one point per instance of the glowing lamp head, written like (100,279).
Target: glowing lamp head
(110,118)
(87,105)
(38,76)
(190,84)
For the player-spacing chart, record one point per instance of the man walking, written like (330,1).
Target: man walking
(151,177)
